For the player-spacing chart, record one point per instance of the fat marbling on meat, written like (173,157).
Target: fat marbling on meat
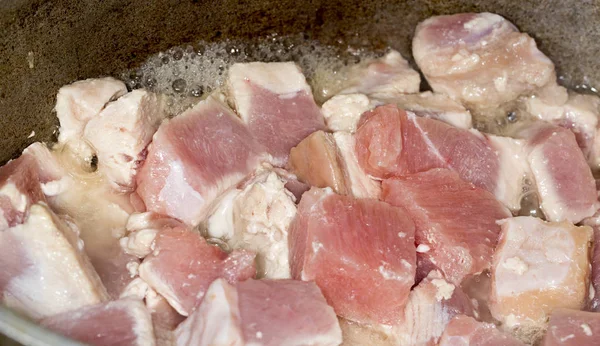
(44,268)
(568,327)
(193,158)
(456,230)
(123,322)
(479,59)
(538,266)
(360,252)
(261,313)
(276,103)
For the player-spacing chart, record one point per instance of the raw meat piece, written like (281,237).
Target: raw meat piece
(479,59)
(434,106)
(594,292)
(342,112)
(431,305)
(572,328)
(193,158)
(79,102)
(164,318)
(456,228)
(329,160)
(276,103)
(142,228)
(576,112)
(44,270)
(464,331)
(256,217)
(386,77)
(515,173)
(262,313)
(538,266)
(391,142)
(120,323)
(52,175)
(564,181)
(182,266)
(120,134)
(315,161)
(360,252)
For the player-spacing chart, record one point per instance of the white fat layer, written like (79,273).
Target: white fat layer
(360,184)
(514,170)
(342,112)
(179,197)
(56,275)
(220,222)
(18,199)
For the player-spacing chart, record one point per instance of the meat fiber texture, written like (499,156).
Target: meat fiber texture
(569,327)
(538,267)
(360,252)
(182,265)
(120,323)
(81,101)
(276,103)
(466,331)
(261,313)
(256,217)
(456,230)
(195,157)
(44,268)
(479,59)
(329,160)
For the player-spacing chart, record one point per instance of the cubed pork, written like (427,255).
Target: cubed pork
(564,181)
(430,307)
(79,102)
(385,77)
(456,228)
(182,265)
(569,327)
(391,142)
(479,59)
(261,313)
(538,266)
(120,323)
(256,217)
(360,252)
(120,133)
(357,334)
(466,331)
(193,158)
(276,103)
(44,269)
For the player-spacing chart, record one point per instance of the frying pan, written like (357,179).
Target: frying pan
(46,44)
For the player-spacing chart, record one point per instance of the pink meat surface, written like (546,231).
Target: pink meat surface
(572,328)
(466,331)
(261,312)
(456,228)
(391,142)
(431,305)
(118,323)
(193,158)
(276,103)
(564,181)
(480,59)
(360,252)
(183,265)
